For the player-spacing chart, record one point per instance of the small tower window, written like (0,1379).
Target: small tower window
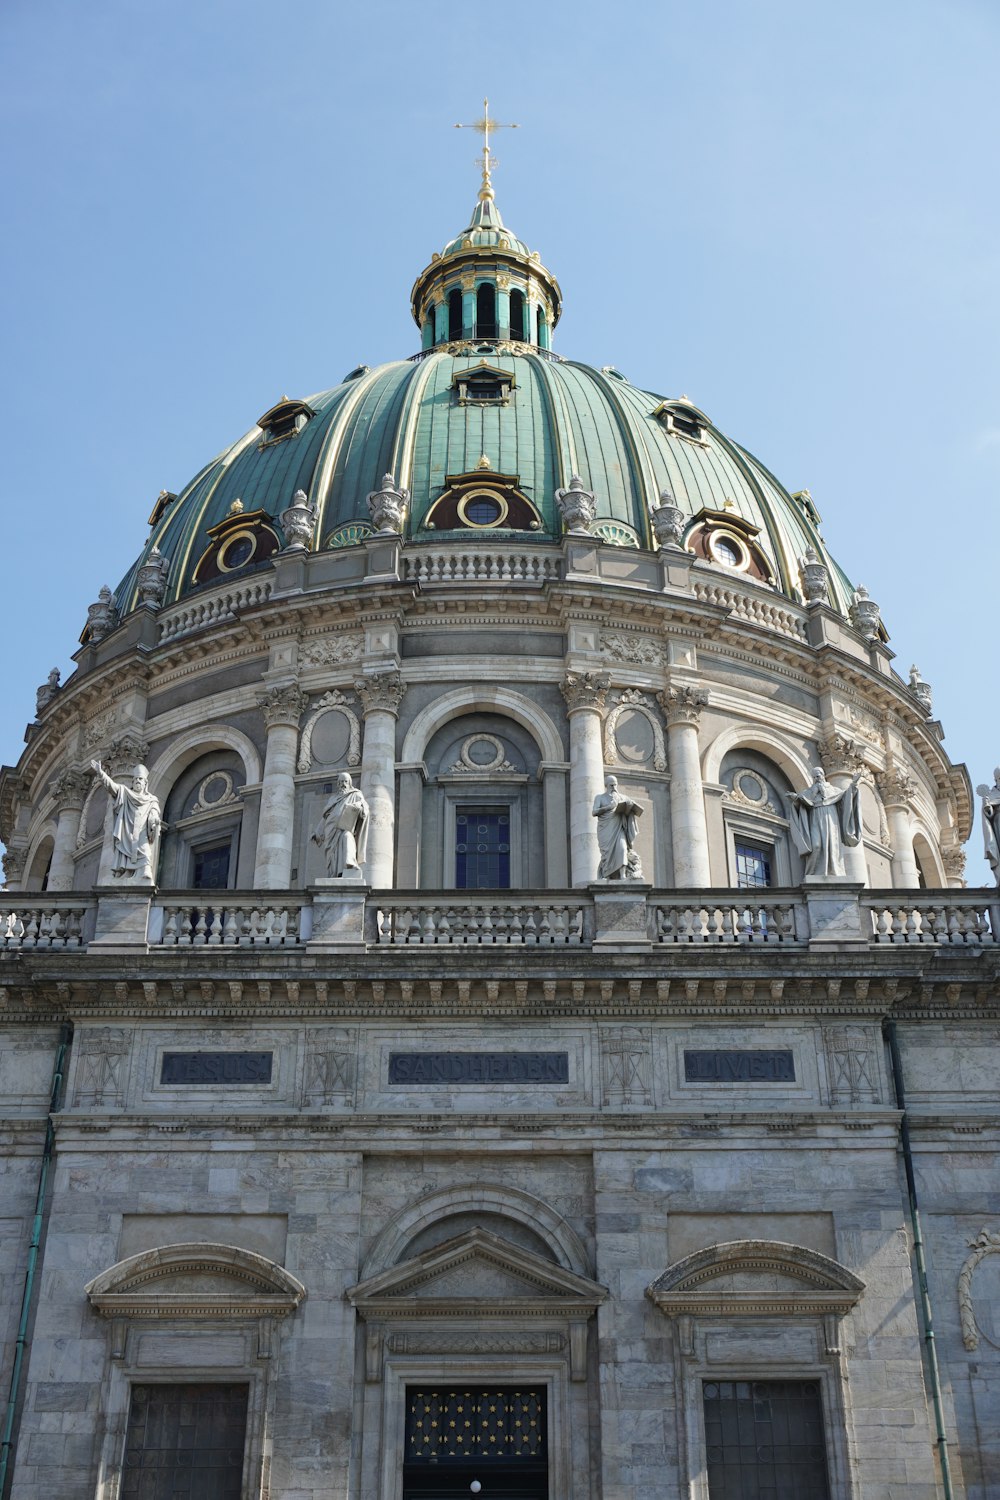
(284,420)
(517,316)
(455,314)
(486,311)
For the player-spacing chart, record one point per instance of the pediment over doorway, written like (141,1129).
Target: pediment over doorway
(756,1277)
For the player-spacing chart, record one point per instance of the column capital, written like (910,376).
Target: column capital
(13,865)
(125,751)
(897,788)
(382,690)
(70,787)
(840,755)
(683,704)
(585,690)
(282,705)
(953,860)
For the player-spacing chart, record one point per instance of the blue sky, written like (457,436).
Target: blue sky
(787,211)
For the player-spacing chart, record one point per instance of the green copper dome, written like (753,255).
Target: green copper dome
(522,420)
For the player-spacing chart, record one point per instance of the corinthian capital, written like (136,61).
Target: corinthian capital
(838,754)
(383,690)
(897,788)
(70,788)
(13,865)
(683,704)
(585,690)
(282,705)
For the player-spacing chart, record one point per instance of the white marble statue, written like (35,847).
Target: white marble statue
(825,818)
(137,826)
(342,831)
(616,829)
(991,823)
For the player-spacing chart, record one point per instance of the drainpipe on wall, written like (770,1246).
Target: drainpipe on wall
(38,1227)
(889,1032)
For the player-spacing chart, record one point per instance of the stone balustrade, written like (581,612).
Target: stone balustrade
(445,920)
(231,923)
(44,922)
(481,564)
(209,608)
(693,920)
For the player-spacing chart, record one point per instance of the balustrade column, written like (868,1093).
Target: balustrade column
(381,695)
(897,792)
(688,825)
(282,708)
(585,694)
(70,790)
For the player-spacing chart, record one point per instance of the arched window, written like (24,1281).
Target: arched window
(455,314)
(755,816)
(486,311)
(517,316)
(203,811)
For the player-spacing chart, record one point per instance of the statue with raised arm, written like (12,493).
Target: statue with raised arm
(823,820)
(617,817)
(342,831)
(991,823)
(137,825)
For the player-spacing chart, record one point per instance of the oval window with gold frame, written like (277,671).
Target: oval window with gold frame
(482,508)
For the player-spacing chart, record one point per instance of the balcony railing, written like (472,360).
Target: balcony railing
(579,919)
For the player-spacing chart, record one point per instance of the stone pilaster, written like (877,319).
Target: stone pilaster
(682,706)
(282,708)
(586,694)
(897,789)
(69,790)
(381,695)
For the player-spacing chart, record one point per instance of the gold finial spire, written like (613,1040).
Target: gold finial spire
(487,161)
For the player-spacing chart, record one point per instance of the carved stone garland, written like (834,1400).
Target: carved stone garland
(986,1242)
(331,700)
(632,699)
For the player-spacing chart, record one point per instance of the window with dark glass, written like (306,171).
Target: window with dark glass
(765,1438)
(482,849)
(517,316)
(185,1442)
(455,314)
(486,311)
(753,865)
(210,870)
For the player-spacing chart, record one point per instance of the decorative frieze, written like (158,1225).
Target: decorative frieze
(332,651)
(852,1065)
(101,1066)
(627,1065)
(639,650)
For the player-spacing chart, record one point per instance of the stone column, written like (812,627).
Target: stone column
(282,708)
(897,792)
(381,695)
(688,825)
(441,321)
(503,311)
(585,695)
(468,313)
(69,790)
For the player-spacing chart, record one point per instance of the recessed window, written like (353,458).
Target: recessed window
(754,863)
(454,314)
(483,512)
(185,1440)
(482,849)
(726,550)
(237,551)
(210,867)
(765,1437)
(683,419)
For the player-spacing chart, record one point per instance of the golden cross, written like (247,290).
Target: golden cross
(487,160)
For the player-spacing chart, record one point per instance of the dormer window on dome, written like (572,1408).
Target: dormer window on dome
(683,419)
(284,420)
(723,537)
(482,501)
(243,540)
(483,385)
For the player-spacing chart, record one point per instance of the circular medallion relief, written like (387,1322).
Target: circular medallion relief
(216,790)
(634,737)
(483,752)
(751,786)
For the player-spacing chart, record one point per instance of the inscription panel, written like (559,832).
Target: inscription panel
(193,1068)
(409,1068)
(720,1066)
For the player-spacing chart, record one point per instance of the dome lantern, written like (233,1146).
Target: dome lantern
(486,285)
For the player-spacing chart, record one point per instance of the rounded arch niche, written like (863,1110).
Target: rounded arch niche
(489,1200)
